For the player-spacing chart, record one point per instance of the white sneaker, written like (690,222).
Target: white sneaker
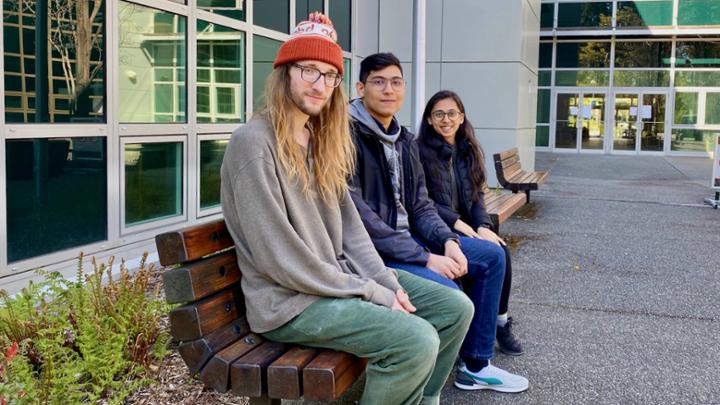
(490,378)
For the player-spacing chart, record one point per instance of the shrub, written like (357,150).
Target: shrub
(80,341)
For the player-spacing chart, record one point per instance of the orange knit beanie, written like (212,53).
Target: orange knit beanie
(314,39)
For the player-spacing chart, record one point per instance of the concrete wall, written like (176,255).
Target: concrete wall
(486,51)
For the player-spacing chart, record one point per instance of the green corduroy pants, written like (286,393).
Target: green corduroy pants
(409,355)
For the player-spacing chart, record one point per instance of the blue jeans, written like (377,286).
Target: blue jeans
(482,283)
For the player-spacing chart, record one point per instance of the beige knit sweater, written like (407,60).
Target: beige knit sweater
(292,249)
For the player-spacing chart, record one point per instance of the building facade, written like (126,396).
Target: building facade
(116,113)
(629,77)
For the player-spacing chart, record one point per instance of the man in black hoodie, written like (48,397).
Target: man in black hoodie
(389,192)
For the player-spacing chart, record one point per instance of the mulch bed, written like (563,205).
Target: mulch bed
(173,384)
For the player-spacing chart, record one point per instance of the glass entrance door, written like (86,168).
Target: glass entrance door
(652,135)
(580,121)
(639,122)
(592,132)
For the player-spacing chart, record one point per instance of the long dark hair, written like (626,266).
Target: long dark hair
(465,133)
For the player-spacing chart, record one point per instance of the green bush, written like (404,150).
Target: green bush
(81,341)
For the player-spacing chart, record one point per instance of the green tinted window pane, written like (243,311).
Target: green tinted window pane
(56,194)
(642,78)
(228,76)
(697,54)
(347,76)
(542,136)
(226,100)
(544,78)
(153,181)
(203,101)
(304,7)
(547,15)
(583,54)
(543,106)
(164,98)
(274,15)
(686,78)
(686,106)
(585,15)
(692,140)
(229,8)
(222,73)
(203,75)
(264,51)
(644,13)
(340,15)
(591,78)
(27,42)
(545,55)
(642,54)
(712,109)
(698,12)
(211,156)
(145,59)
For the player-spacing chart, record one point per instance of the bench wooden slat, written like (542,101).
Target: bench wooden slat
(327,376)
(510,161)
(508,153)
(192,243)
(193,321)
(248,373)
(196,353)
(511,203)
(201,278)
(285,374)
(216,374)
(512,171)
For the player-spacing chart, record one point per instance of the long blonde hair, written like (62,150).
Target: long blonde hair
(332,148)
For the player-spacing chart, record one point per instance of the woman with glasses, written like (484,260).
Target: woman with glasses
(454,171)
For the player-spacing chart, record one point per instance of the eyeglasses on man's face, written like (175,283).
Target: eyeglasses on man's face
(379,83)
(311,75)
(439,115)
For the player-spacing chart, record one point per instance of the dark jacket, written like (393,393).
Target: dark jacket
(436,155)
(372,192)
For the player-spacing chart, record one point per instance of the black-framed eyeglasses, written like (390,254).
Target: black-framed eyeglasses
(311,75)
(379,83)
(439,115)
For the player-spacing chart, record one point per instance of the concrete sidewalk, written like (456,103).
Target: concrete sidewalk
(616,285)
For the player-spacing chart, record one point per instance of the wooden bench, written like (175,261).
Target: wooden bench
(511,176)
(500,206)
(213,335)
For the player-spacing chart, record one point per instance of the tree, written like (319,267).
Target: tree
(74,35)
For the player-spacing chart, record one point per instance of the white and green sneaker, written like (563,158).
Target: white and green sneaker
(490,378)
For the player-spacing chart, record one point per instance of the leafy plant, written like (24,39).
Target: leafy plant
(81,341)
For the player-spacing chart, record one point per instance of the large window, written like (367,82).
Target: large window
(264,51)
(274,15)
(583,55)
(642,54)
(637,14)
(153,181)
(211,157)
(698,12)
(220,73)
(229,8)
(585,15)
(340,15)
(152,65)
(697,54)
(547,16)
(56,194)
(304,7)
(54,61)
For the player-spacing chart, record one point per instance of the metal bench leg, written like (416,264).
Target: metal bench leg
(265,400)
(527,193)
